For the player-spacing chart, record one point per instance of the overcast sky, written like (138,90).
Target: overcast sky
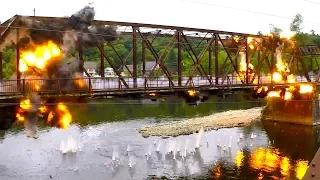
(247,16)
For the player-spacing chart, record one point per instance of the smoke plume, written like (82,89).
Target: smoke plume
(79,32)
(32,115)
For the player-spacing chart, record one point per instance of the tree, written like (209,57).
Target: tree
(259,33)
(296,23)
(275,30)
(313,33)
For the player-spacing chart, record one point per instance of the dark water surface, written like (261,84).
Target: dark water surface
(103,129)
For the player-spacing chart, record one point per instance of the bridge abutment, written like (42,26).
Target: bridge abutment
(303,110)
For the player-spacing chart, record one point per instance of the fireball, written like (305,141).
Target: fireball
(39,57)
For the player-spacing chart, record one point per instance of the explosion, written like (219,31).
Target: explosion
(243,66)
(45,64)
(59,116)
(39,57)
(191,93)
(282,75)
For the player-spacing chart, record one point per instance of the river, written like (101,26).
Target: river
(103,130)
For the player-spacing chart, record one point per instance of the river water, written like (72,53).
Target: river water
(104,129)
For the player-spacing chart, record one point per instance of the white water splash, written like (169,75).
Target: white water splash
(198,138)
(69,146)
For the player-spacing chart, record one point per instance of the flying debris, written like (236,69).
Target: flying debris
(45,54)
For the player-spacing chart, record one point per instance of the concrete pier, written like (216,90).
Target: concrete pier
(304,110)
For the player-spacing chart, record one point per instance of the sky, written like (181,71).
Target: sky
(244,16)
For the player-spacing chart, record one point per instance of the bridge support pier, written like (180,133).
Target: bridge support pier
(304,111)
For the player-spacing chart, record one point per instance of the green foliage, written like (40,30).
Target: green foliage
(275,30)
(8,63)
(295,25)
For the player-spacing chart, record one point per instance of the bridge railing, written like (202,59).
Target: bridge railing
(126,83)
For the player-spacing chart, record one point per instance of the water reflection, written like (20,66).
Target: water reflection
(260,163)
(290,149)
(116,150)
(295,141)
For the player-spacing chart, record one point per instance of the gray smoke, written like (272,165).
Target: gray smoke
(82,19)
(78,31)
(32,115)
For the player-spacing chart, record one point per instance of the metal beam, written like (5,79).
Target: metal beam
(210,62)
(113,67)
(313,170)
(216,59)
(18,56)
(229,56)
(179,58)
(199,60)
(102,62)
(99,22)
(247,61)
(1,73)
(80,52)
(134,56)
(159,58)
(143,56)
(192,55)
(123,63)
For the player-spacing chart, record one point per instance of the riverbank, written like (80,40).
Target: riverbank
(227,119)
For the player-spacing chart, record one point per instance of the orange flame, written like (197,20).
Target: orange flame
(19,116)
(39,57)
(43,109)
(236,39)
(25,104)
(277,77)
(243,67)
(286,35)
(37,87)
(239,159)
(191,92)
(50,117)
(66,118)
(305,89)
(273,94)
(301,168)
(287,95)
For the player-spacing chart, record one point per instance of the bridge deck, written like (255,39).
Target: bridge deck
(113,86)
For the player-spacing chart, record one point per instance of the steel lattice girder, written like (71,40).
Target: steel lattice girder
(180,36)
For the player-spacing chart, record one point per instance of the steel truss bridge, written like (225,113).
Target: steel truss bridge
(215,57)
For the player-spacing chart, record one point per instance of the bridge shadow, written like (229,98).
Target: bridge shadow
(8,115)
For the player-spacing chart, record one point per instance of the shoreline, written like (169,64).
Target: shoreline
(227,119)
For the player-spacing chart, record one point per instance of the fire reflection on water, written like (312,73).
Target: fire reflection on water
(269,161)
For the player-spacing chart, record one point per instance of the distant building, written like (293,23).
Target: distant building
(109,72)
(148,67)
(91,67)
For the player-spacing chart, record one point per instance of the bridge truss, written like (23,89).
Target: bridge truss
(214,55)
